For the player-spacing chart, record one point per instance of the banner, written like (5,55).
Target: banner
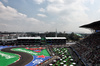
(37,60)
(2,47)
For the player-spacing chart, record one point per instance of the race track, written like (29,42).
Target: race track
(24,59)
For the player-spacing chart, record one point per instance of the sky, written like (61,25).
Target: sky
(48,15)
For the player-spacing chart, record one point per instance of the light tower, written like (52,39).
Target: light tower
(56,33)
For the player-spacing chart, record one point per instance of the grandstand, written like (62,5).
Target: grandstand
(41,40)
(28,40)
(89,48)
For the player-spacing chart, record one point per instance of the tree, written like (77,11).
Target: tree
(73,37)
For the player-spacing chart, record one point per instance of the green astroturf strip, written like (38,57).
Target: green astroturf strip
(7,58)
(43,52)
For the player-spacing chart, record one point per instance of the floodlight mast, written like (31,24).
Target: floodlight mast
(56,33)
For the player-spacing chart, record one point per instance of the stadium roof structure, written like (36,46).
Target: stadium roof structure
(55,37)
(29,38)
(95,25)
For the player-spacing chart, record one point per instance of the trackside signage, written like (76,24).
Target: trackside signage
(37,61)
(2,47)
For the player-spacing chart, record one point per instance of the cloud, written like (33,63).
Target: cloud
(98,10)
(5,1)
(92,1)
(39,1)
(12,20)
(65,15)
(41,15)
(42,10)
(58,6)
(69,13)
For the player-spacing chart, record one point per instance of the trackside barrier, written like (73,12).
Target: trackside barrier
(79,56)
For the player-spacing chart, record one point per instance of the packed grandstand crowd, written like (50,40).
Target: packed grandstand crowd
(89,49)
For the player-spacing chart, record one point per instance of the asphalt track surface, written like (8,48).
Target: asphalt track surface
(24,59)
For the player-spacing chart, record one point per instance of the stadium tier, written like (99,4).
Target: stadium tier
(89,48)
